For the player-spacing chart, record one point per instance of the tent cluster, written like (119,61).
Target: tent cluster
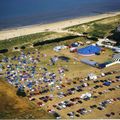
(25,72)
(93,49)
(58,48)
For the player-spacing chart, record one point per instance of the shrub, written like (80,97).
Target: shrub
(54,40)
(3,50)
(15,48)
(23,47)
(21,93)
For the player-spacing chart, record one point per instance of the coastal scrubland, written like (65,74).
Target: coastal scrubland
(99,28)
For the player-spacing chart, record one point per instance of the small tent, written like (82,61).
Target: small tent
(76,44)
(92,76)
(107,83)
(86,95)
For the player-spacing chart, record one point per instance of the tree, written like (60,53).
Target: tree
(21,92)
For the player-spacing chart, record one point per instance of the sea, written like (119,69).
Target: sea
(17,13)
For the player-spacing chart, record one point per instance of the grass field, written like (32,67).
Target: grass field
(29,39)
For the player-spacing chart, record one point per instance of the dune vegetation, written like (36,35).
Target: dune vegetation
(99,28)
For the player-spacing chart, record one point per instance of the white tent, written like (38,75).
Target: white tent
(0,69)
(58,48)
(117,50)
(86,95)
(92,76)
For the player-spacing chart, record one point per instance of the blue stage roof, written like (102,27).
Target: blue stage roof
(89,50)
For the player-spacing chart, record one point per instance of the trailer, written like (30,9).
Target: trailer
(89,62)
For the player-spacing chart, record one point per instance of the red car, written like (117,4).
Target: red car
(40,103)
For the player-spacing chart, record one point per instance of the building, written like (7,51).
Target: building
(89,62)
(116,57)
(118,28)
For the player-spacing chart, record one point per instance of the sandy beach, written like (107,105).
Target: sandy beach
(57,26)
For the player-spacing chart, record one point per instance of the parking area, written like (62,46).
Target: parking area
(67,102)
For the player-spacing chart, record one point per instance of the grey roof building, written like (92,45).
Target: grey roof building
(116,57)
(88,62)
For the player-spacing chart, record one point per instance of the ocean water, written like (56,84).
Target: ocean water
(16,13)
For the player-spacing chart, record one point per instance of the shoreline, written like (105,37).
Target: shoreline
(55,27)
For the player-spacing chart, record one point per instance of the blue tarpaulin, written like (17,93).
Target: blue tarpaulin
(107,83)
(29,85)
(89,50)
(75,44)
(102,65)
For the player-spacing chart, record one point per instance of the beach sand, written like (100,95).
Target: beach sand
(57,26)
